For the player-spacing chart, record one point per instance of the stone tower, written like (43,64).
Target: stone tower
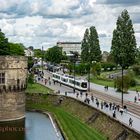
(13,78)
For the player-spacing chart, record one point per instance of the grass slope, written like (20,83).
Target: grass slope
(37,88)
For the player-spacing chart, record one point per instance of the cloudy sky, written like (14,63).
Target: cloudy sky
(45,22)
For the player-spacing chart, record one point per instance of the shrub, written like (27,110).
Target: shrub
(136,69)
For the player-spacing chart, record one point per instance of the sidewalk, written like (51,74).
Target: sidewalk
(111,91)
(122,118)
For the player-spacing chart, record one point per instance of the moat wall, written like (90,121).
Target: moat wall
(13,77)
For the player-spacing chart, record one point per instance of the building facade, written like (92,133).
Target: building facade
(67,47)
(13,82)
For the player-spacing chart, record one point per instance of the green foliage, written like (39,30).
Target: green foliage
(90,46)
(136,69)
(31,78)
(16,49)
(96,69)
(128,81)
(108,66)
(85,47)
(54,54)
(38,53)
(30,62)
(4,45)
(123,46)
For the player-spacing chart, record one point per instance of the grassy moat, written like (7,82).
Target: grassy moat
(77,120)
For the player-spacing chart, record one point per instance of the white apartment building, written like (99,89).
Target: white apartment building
(67,47)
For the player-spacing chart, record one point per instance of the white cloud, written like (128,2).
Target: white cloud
(44,22)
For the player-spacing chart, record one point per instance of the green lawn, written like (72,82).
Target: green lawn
(37,88)
(73,128)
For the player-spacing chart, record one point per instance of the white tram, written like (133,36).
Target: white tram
(68,80)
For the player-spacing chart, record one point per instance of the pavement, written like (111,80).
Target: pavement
(122,118)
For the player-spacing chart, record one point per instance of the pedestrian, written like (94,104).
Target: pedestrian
(121,111)
(86,94)
(125,108)
(114,114)
(81,93)
(97,103)
(102,104)
(77,94)
(65,93)
(130,122)
(110,106)
(135,99)
(92,98)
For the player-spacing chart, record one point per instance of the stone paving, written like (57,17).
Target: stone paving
(124,118)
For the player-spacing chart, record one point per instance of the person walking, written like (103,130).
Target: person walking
(130,122)
(135,99)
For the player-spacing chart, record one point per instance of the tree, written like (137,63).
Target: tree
(38,53)
(95,52)
(85,47)
(30,62)
(54,54)
(123,47)
(4,45)
(90,46)
(16,49)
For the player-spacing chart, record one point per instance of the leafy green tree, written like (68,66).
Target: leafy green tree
(85,47)
(38,53)
(95,52)
(123,47)
(30,62)
(16,49)
(90,46)
(54,54)
(4,45)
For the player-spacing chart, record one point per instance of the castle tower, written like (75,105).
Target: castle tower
(13,77)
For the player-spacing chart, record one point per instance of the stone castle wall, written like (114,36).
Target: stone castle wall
(12,97)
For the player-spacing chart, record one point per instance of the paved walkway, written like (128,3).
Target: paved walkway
(122,118)
(111,91)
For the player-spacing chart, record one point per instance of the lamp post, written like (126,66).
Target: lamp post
(122,66)
(122,85)
(89,77)
(42,60)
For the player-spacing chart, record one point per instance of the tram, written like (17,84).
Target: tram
(70,81)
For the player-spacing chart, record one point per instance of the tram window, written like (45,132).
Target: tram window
(77,83)
(65,80)
(71,81)
(84,85)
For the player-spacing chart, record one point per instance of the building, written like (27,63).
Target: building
(13,78)
(29,52)
(67,47)
(105,55)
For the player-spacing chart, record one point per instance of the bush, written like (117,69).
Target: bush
(136,69)
(108,66)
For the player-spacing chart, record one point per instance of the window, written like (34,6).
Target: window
(84,85)
(2,78)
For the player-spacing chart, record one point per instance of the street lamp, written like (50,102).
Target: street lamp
(122,66)
(90,63)
(74,57)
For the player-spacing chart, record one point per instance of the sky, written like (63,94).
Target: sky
(40,23)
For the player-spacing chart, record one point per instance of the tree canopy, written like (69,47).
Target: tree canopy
(123,47)
(54,54)
(8,48)
(90,46)
(4,45)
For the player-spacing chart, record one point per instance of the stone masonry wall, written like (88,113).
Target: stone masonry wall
(12,96)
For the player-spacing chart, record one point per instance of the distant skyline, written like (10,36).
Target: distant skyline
(45,22)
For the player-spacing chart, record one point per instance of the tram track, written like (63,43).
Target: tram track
(132,107)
